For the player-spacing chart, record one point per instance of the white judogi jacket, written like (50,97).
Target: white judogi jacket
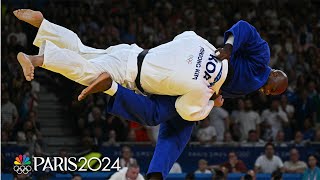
(184,67)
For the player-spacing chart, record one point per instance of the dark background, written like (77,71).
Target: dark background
(292,29)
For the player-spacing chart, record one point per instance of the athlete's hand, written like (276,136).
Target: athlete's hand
(224,53)
(101,84)
(215,95)
(218,102)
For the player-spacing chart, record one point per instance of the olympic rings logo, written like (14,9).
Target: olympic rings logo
(189,60)
(22,169)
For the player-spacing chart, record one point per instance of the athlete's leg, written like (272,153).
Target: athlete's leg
(174,132)
(62,61)
(28,63)
(173,138)
(60,36)
(34,18)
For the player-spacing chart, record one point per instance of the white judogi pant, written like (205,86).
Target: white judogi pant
(64,53)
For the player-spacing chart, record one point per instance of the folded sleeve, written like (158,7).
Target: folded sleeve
(248,42)
(195,105)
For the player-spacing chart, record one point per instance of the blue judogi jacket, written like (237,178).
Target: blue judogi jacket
(249,59)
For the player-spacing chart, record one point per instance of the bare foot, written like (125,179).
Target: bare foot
(101,84)
(34,18)
(28,68)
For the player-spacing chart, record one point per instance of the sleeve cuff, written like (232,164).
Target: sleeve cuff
(113,89)
(211,101)
(230,39)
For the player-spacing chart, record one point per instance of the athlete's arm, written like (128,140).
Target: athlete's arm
(225,52)
(243,38)
(103,83)
(197,104)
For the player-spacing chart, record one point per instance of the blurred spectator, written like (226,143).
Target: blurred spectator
(33,118)
(131,172)
(235,127)
(289,110)
(176,168)
(304,108)
(315,96)
(96,122)
(202,167)
(112,138)
(35,87)
(20,36)
(227,139)
(294,165)
(95,115)
(98,136)
(308,131)
(219,175)
(247,177)
(317,136)
(63,153)
(219,119)
(14,45)
(206,133)
(118,125)
(298,140)
(268,162)
(131,136)
(28,134)
(4,136)
(76,177)
(248,120)
(190,176)
(275,118)
(9,113)
(276,175)
(253,139)
(313,171)
(286,107)
(252,174)
(234,165)
(280,140)
(127,158)
(87,142)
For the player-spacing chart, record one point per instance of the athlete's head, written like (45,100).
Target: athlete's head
(277,83)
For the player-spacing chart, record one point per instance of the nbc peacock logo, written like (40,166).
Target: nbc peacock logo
(22,164)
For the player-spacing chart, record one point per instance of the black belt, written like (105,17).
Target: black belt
(140,59)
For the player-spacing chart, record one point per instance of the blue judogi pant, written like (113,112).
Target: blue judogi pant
(174,132)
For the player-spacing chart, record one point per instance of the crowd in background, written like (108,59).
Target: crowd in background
(292,33)
(19,98)
(267,163)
